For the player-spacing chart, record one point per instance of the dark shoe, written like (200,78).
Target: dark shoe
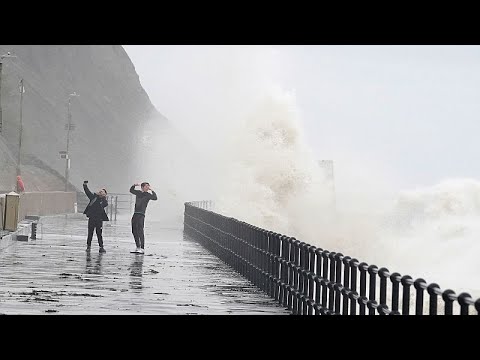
(102,250)
(88,248)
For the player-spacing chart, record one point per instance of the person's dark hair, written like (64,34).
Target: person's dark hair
(143,184)
(105,191)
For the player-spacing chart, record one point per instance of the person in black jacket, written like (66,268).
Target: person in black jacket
(95,212)
(138,219)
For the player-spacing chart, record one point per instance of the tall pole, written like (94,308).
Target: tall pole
(21,126)
(1,120)
(67,159)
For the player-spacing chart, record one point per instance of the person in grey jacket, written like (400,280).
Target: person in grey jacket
(138,219)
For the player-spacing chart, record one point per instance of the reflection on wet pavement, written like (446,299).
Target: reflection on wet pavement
(55,275)
(94,267)
(136,269)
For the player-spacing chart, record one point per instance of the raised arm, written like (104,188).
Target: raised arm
(133,191)
(87,191)
(153,196)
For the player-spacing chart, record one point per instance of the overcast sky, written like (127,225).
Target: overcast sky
(411,110)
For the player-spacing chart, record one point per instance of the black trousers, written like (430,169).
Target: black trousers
(97,225)
(138,222)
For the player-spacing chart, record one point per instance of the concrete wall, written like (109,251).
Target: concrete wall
(2,210)
(46,203)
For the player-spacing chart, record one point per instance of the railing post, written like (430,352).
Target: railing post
(406,282)
(277,246)
(281,295)
(338,281)
(304,304)
(254,251)
(273,243)
(311,275)
(395,278)
(331,289)
(296,263)
(311,250)
(372,270)
(318,273)
(363,285)
(318,288)
(345,293)
(372,305)
(477,306)
(362,302)
(290,290)
(323,284)
(301,277)
(448,301)
(432,290)
(306,269)
(261,264)
(338,291)
(420,285)
(383,273)
(319,254)
(291,273)
(246,234)
(346,283)
(331,293)
(462,300)
(353,302)
(285,270)
(353,285)
(310,307)
(325,254)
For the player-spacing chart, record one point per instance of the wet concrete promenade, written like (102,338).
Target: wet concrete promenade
(55,275)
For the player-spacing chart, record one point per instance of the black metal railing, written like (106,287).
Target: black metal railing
(313,281)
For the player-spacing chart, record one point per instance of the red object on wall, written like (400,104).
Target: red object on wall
(20,184)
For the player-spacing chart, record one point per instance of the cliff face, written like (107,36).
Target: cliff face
(109,115)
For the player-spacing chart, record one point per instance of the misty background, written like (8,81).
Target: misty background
(399,123)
